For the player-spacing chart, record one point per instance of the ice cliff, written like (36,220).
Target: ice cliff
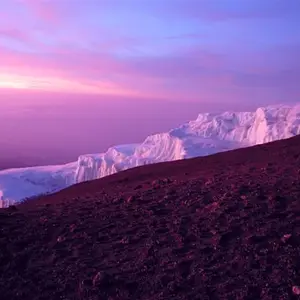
(208,134)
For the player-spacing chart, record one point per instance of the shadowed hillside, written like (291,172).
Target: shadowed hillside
(219,227)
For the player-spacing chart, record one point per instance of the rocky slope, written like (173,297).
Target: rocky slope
(224,226)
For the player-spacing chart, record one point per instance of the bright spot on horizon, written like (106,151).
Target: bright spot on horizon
(52,84)
(11,82)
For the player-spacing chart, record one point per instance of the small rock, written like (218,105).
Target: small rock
(154,182)
(167,180)
(171,286)
(87,283)
(296,290)
(138,187)
(118,200)
(286,237)
(100,278)
(213,231)
(158,182)
(125,240)
(72,227)
(60,239)
(213,206)
(227,195)
(208,182)
(43,220)
(130,199)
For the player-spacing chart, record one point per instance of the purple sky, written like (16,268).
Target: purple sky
(160,59)
(200,50)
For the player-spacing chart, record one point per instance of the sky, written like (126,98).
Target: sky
(77,76)
(192,50)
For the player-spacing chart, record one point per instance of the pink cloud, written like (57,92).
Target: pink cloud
(75,70)
(192,73)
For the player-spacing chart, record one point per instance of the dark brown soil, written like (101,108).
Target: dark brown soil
(225,226)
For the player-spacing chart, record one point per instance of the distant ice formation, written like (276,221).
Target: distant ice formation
(208,134)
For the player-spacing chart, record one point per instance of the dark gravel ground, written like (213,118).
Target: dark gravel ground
(225,226)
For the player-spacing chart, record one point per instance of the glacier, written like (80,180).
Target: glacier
(208,134)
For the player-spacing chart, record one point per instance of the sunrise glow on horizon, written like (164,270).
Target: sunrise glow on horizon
(185,49)
(61,85)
